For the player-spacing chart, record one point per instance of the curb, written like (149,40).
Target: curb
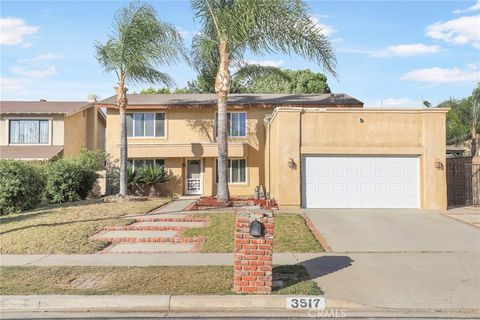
(41,303)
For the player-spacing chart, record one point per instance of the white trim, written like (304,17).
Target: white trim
(186,176)
(165,126)
(50,130)
(246,183)
(144,159)
(215,117)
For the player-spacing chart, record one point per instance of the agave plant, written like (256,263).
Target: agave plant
(151,175)
(133,178)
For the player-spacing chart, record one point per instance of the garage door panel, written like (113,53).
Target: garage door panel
(360,182)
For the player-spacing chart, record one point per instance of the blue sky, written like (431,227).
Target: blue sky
(390,53)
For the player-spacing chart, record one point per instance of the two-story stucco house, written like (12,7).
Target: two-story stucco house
(312,151)
(42,130)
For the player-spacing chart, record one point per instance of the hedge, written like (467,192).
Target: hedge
(21,185)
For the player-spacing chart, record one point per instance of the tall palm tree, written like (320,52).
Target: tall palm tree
(231,28)
(139,44)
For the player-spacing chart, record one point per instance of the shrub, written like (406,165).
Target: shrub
(151,175)
(21,186)
(71,179)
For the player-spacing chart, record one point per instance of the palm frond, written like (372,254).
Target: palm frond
(140,41)
(248,71)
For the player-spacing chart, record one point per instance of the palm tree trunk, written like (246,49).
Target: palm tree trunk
(122,106)
(222,87)
(474,146)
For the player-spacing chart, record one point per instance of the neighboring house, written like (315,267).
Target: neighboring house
(455,151)
(42,130)
(312,151)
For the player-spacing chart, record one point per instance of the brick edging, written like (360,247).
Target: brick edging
(157,219)
(316,233)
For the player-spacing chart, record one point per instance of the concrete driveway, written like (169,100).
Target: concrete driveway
(397,259)
(389,230)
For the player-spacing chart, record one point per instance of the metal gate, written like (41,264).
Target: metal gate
(472,181)
(463,182)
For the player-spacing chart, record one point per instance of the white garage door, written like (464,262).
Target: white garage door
(360,182)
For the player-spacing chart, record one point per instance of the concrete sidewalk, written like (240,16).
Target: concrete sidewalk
(142,259)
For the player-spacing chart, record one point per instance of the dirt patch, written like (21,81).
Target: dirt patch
(89,281)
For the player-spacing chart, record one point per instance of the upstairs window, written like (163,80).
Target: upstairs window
(237,124)
(146,124)
(28,131)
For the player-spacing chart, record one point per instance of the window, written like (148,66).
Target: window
(237,170)
(28,131)
(237,124)
(139,163)
(146,124)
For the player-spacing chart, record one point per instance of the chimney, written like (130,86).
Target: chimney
(92,98)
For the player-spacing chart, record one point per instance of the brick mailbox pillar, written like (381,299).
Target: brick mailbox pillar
(253,255)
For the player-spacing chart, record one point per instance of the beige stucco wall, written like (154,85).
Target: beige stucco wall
(56,125)
(190,134)
(75,133)
(84,129)
(294,132)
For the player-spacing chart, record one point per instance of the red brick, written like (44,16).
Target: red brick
(257,251)
(265,258)
(242,241)
(249,268)
(251,257)
(260,274)
(241,283)
(257,283)
(256,263)
(249,289)
(250,246)
(258,241)
(249,278)
(264,246)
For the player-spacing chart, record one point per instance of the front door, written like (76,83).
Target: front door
(193,185)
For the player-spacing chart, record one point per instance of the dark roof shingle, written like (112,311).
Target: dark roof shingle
(237,99)
(42,106)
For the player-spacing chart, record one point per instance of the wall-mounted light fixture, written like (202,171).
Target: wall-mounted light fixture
(438,164)
(361,120)
(291,163)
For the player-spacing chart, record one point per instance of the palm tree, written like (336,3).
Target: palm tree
(138,45)
(230,28)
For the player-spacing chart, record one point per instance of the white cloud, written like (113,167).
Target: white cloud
(184,33)
(473,8)
(463,30)
(42,57)
(13,30)
(267,63)
(442,75)
(396,103)
(406,50)
(39,73)
(326,29)
(12,85)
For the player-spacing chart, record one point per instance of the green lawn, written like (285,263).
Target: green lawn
(140,280)
(65,229)
(291,234)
